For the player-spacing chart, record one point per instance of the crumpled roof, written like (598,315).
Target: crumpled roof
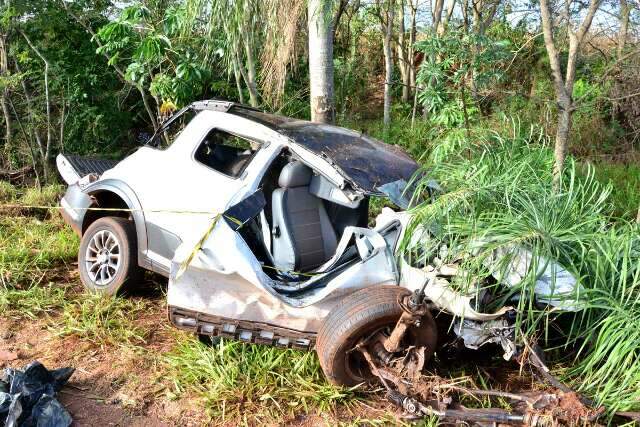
(365,161)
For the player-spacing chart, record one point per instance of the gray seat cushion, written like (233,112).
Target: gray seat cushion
(303,237)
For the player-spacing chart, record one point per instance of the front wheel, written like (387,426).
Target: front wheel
(361,315)
(108,256)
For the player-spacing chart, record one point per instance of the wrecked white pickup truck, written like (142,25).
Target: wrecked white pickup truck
(260,222)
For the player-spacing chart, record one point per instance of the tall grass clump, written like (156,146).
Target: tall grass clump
(8,192)
(31,302)
(499,202)
(252,382)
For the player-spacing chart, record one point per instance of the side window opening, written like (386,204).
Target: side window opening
(226,153)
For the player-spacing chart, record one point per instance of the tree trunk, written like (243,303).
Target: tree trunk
(27,138)
(147,107)
(562,141)
(336,20)
(387,31)
(412,40)
(564,85)
(236,74)
(47,161)
(321,61)
(625,11)
(31,115)
(444,22)
(251,72)
(403,56)
(4,95)
(436,13)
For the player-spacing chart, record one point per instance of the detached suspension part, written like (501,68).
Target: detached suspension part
(414,307)
(414,407)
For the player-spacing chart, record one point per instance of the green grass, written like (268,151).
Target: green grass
(49,195)
(102,320)
(8,192)
(251,382)
(30,249)
(32,302)
(625,185)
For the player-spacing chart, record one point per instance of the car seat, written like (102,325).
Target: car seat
(303,236)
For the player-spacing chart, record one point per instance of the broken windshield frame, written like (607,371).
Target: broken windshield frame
(169,130)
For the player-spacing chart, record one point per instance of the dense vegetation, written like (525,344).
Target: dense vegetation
(480,91)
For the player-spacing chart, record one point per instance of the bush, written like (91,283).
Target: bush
(499,193)
(49,195)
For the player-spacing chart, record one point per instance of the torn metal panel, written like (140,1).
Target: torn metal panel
(554,284)
(400,192)
(231,283)
(476,334)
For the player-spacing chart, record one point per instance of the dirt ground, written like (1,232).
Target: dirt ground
(109,387)
(114,386)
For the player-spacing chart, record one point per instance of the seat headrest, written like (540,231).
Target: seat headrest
(295,174)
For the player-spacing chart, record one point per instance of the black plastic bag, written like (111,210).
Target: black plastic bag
(27,397)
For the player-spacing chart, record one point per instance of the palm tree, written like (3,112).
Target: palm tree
(321,61)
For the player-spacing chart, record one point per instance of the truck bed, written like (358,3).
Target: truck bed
(86,165)
(73,167)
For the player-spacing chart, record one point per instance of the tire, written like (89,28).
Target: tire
(107,242)
(360,315)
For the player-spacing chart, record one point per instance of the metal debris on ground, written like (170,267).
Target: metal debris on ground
(27,396)
(419,396)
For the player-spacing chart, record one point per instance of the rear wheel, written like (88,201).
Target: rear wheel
(359,316)
(108,256)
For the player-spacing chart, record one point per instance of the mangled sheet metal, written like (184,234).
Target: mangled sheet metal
(554,284)
(225,279)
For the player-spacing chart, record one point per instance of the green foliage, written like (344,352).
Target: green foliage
(8,192)
(154,54)
(498,197)
(251,381)
(452,61)
(417,139)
